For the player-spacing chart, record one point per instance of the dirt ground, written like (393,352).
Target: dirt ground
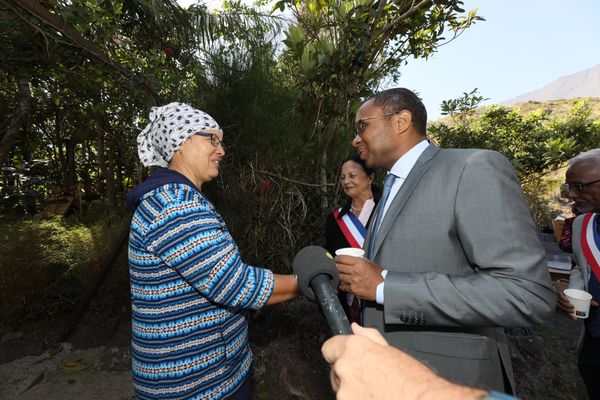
(286,340)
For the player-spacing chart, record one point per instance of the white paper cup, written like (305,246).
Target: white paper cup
(581,301)
(350,251)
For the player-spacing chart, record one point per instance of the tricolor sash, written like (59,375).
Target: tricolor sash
(352,228)
(590,242)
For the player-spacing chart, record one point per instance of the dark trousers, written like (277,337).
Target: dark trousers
(589,366)
(244,392)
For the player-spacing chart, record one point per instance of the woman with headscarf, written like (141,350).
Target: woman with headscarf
(190,289)
(346,226)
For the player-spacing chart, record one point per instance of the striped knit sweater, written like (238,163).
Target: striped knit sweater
(189,293)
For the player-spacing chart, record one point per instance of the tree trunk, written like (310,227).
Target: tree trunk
(323,183)
(331,129)
(111,186)
(69,171)
(10,136)
(105,163)
(101,161)
(61,150)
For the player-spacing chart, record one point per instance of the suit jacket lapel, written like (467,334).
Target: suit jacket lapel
(421,166)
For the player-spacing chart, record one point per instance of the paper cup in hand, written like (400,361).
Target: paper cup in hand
(350,251)
(581,301)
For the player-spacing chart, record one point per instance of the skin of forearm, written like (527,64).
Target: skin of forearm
(443,389)
(284,289)
(430,386)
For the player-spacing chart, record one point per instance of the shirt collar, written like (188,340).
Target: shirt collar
(405,164)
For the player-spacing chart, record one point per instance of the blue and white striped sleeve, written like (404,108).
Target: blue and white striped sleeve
(190,238)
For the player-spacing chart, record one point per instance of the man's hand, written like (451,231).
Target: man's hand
(365,367)
(359,276)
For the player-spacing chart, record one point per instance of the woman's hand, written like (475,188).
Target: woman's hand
(565,306)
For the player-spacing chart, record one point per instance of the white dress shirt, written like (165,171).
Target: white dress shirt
(400,169)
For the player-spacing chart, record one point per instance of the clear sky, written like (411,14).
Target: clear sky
(522,46)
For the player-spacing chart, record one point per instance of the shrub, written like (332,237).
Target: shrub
(46,264)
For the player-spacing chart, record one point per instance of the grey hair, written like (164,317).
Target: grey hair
(590,155)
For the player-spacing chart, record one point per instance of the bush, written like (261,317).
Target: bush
(45,265)
(542,205)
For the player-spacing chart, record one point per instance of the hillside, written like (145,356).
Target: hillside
(556,109)
(581,84)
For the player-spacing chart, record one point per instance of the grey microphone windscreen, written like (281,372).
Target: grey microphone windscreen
(310,262)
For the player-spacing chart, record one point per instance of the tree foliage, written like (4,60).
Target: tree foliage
(92,70)
(534,143)
(339,51)
(78,77)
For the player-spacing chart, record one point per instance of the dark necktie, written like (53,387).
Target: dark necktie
(355,308)
(387,187)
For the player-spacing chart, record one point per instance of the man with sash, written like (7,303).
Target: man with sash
(583,183)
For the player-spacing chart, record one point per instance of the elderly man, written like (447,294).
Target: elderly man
(452,252)
(583,182)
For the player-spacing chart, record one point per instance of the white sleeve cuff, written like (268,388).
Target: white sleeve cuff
(379,293)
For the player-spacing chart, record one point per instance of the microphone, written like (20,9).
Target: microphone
(318,279)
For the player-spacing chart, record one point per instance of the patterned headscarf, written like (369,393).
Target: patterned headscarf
(170,126)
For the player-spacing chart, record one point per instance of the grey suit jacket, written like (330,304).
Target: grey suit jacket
(464,259)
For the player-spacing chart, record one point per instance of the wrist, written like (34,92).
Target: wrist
(443,389)
(493,395)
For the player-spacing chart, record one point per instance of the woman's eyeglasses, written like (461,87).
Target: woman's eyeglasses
(214,139)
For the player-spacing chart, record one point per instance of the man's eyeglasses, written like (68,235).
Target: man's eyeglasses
(214,139)
(360,125)
(578,187)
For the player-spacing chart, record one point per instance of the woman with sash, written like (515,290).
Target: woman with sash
(346,226)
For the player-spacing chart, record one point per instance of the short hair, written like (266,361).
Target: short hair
(356,158)
(590,155)
(398,99)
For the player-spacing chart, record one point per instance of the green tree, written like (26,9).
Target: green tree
(339,51)
(532,142)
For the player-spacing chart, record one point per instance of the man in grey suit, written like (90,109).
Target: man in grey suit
(583,183)
(454,255)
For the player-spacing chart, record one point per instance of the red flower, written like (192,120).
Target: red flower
(265,185)
(168,51)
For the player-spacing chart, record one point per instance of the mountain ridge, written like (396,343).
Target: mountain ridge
(582,84)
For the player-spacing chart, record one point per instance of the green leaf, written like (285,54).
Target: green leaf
(307,62)
(263,394)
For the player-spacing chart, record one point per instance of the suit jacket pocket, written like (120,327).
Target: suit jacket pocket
(457,345)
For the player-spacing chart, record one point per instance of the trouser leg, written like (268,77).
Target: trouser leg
(589,366)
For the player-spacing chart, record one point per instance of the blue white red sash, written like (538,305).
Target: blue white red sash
(352,228)
(590,242)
